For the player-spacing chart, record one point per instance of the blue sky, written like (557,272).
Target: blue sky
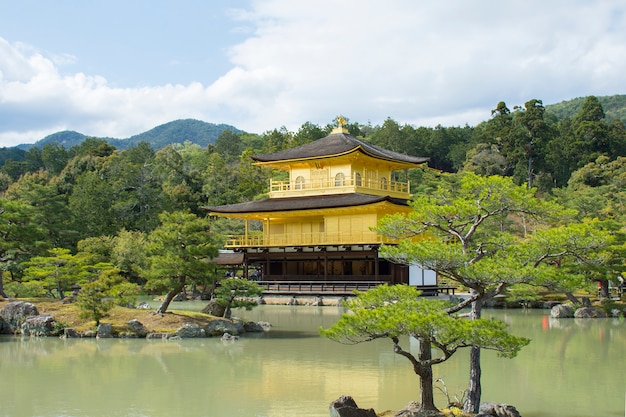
(118,68)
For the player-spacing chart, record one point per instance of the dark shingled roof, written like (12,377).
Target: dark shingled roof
(337,143)
(305,203)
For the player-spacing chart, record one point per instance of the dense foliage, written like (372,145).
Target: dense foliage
(536,144)
(614,108)
(490,235)
(95,197)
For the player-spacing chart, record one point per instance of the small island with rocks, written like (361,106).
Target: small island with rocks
(44,318)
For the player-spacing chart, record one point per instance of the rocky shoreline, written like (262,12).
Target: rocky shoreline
(558,309)
(345,406)
(23,318)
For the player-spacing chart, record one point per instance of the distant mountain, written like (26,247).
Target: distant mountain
(178,131)
(203,133)
(67,138)
(614,107)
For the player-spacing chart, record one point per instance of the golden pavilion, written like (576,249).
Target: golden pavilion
(317,225)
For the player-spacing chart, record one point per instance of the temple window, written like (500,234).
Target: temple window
(357,179)
(300,182)
(340,179)
(383,183)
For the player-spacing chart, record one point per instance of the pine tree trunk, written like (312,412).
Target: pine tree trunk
(168,299)
(60,291)
(2,293)
(427,400)
(474,390)
(423,368)
(572,298)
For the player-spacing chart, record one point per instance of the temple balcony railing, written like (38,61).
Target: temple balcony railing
(282,189)
(305,239)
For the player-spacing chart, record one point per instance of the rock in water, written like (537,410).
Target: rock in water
(345,406)
(499,410)
(562,311)
(40,326)
(15,313)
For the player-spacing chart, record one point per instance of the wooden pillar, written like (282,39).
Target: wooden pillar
(316,263)
(325,266)
(284,263)
(376,266)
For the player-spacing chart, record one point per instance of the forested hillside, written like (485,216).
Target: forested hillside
(95,204)
(178,131)
(614,107)
(537,144)
(67,138)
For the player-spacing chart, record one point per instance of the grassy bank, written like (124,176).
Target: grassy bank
(67,315)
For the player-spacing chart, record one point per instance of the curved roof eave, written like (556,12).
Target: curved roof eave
(336,144)
(357,149)
(270,205)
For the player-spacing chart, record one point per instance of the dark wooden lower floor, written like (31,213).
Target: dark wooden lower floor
(323,265)
(324,270)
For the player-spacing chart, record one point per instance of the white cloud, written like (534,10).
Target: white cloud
(427,62)
(423,63)
(14,66)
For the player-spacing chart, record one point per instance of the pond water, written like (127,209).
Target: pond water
(572,368)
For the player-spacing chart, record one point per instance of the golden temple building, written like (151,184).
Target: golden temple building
(317,225)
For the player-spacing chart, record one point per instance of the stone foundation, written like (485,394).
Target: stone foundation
(303,300)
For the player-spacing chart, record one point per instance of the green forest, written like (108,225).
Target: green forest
(94,211)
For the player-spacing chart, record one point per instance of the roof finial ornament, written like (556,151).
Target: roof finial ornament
(341,121)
